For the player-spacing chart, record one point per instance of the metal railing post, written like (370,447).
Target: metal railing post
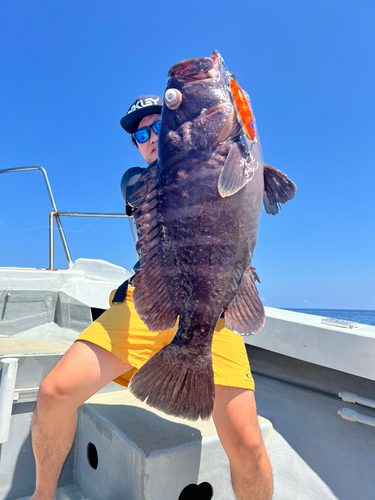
(63,240)
(51,260)
(8,383)
(52,200)
(55,214)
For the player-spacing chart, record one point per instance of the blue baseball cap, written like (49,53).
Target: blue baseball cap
(142,106)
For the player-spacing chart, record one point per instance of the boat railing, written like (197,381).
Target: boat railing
(55,215)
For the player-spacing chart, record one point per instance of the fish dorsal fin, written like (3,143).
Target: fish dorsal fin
(278,188)
(238,170)
(245,314)
(151,296)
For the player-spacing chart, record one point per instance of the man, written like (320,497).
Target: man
(106,351)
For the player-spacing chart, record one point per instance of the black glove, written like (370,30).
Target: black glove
(127,184)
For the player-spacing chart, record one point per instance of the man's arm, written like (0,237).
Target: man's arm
(127,186)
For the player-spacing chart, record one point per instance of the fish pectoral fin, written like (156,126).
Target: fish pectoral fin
(235,174)
(245,314)
(278,188)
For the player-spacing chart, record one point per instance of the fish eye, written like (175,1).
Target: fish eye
(173,98)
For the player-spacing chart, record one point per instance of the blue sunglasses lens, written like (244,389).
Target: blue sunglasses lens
(156,126)
(143,134)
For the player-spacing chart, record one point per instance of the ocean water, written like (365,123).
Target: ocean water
(357,315)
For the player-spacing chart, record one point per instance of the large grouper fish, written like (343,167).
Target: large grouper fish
(197,213)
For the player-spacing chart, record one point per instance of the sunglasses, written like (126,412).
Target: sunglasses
(143,134)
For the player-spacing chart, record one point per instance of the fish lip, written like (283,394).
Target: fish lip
(202,77)
(216,57)
(181,67)
(193,69)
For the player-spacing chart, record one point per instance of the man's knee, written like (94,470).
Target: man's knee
(247,444)
(79,374)
(53,388)
(251,446)
(62,384)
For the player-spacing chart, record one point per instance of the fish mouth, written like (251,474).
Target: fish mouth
(210,111)
(198,69)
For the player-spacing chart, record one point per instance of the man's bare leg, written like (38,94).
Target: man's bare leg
(236,422)
(79,374)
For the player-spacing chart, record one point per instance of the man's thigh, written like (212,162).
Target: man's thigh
(82,371)
(235,417)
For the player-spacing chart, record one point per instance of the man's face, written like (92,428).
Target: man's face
(149,149)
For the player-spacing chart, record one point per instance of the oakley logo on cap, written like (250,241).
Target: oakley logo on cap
(142,103)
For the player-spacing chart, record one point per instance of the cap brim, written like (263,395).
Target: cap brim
(131,121)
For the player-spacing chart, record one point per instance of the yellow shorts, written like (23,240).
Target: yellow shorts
(121,331)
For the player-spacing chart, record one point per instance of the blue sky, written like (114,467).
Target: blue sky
(69,70)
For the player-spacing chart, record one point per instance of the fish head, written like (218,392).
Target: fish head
(198,110)
(208,117)
(200,81)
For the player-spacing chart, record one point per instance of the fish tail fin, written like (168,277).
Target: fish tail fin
(177,382)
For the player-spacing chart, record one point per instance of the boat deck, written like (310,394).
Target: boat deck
(127,450)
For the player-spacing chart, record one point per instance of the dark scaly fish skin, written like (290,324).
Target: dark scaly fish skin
(196,243)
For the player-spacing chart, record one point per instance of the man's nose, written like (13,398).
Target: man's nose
(153,136)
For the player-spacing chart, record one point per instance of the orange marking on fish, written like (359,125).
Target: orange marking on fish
(243,110)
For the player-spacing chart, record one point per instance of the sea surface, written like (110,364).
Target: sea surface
(357,315)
